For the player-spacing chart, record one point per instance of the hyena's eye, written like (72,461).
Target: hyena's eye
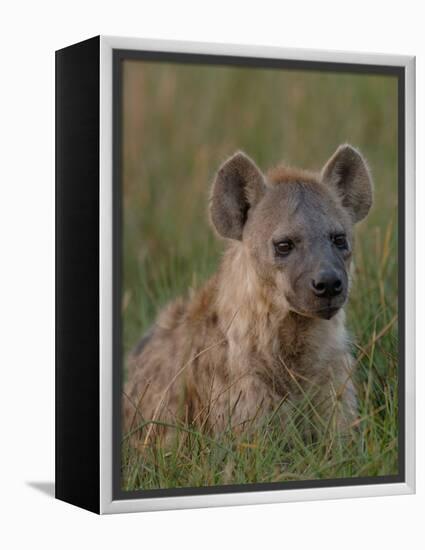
(340,241)
(283,248)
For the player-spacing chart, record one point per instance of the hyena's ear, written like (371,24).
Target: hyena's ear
(238,186)
(347,172)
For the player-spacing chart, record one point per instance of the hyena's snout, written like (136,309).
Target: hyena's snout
(328,291)
(327,284)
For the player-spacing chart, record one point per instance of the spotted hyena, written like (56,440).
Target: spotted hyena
(269,326)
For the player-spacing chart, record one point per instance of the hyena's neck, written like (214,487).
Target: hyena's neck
(250,318)
(246,310)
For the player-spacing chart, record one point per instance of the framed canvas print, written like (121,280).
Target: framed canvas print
(234,274)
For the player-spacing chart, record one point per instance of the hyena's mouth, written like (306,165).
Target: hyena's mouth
(327,312)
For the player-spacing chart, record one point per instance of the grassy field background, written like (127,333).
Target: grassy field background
(180,123)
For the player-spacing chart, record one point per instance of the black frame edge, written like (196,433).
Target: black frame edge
(77,94)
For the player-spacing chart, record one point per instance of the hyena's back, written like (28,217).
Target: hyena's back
(176,368)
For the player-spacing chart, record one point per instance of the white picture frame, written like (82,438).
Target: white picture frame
(108,503)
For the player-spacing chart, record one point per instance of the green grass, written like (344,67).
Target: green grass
(180,123)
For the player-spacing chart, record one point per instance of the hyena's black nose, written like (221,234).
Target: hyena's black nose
(327,284)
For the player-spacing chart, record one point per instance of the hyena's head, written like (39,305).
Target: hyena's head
(297,226)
